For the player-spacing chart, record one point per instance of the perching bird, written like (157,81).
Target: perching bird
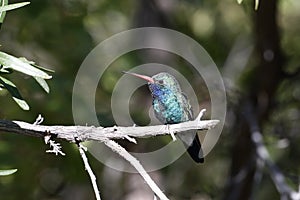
(171,106)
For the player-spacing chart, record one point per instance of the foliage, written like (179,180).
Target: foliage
(60,33)
(9,63)
(7,172)
(5,7)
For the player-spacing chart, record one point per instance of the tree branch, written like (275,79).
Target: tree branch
(89,170)
(77,134)
(88,133)
(262,153)
(137,165)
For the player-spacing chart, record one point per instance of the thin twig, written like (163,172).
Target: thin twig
(56,148)
(38,120)
(137,165)
(89,170)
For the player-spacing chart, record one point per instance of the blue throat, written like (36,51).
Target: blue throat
(166,105)
(171,107)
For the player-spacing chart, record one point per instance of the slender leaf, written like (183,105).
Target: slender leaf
(13,90)
(42,83)
(35,65)
(4,7)
(7,172)
(5,71)
(22,103)
(256,4)
(2,14)
(17,64)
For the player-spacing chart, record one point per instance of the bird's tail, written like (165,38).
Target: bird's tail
(192,142)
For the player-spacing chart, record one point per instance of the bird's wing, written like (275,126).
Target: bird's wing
(158,111)
(187,106)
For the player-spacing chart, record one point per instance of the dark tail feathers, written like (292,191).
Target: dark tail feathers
(195,150)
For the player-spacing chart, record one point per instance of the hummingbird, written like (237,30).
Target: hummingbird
(171,106)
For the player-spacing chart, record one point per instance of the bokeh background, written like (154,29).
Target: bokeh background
(257,53)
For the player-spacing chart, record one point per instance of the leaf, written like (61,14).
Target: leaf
(42,83)
(22,66)
(2,14)
(4,7)
(12,89)
(5,70)
(35,65)
(22,103)
(7,172)
(256,4)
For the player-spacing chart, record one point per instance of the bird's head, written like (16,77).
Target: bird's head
(159,82)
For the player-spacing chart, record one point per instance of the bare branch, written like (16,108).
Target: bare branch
(82,150)
(137,165)
(262,153)
(87,133)
(77,134)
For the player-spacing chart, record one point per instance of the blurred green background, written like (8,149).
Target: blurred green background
(58,34)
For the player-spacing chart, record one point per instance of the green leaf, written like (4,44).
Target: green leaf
(22,103)
(20,65)
(12,89)
(4,7)
(7,172)
(256,4)
(2,14)
(42,83)
(35,65)
(5,71)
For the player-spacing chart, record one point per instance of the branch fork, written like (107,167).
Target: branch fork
(77,134)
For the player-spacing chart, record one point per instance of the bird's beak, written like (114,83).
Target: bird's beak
(147,78)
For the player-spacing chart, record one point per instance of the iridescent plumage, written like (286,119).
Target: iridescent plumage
(171,107)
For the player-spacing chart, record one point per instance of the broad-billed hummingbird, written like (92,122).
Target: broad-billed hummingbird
(171,106)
